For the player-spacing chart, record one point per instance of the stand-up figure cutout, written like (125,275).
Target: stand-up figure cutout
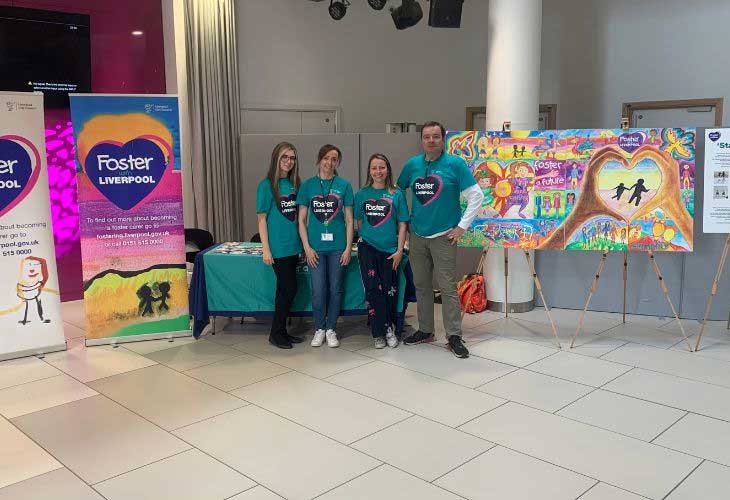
(638,189)
(33,277)
(145,300)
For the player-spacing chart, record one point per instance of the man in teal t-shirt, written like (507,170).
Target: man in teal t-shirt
(437,180)
(380,211)
(281,217)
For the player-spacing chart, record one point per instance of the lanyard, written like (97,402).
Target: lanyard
(324,196)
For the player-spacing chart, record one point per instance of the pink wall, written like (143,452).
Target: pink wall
(120,63)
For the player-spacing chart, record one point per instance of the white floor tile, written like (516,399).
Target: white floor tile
(568,319)
(537,390)
(625,415)
(628,463)
(512,352)
(87,364)
(319,362)
(709,482)
(528,331)
(168,399)
(74,312)
(73,332)
(277,453)
(417,393)
(24,370)
(41,394)
(690,395)
(149,346)
(190,475)
(672,362)
(236,372)
(257,493)
(580,369)
(603,491)
(388,482)
(59,484)
(97,439)
(503,473)
(321,406)
(711,346)
(422,447)
(642,334)
(700,436)
(594,345)
(440,363)
(20,457)
(193,355)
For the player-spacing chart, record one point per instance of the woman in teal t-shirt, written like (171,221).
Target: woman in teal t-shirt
(383,214)
(276,210)
(326,230)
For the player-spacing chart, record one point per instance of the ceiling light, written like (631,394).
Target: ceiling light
(377,4)
(338,9)
(407,15)
(137,33)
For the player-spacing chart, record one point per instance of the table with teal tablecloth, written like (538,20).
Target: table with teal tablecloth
(231,279)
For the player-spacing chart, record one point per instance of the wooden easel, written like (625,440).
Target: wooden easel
(507,127)
(713,291)
(655,267)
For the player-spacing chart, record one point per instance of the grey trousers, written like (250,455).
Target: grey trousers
(429,255)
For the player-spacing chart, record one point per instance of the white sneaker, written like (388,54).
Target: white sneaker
(332,338)
(318,339)
(391,338)
(379,342)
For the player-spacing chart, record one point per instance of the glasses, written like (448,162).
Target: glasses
(285,158)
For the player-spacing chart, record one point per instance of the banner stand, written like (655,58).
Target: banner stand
(170,336)
(39,353)
(713,291)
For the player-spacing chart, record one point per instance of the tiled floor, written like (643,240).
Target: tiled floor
(627,414)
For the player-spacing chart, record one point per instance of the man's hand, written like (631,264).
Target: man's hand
(455,234)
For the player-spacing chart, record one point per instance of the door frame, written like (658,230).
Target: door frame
(550,109)
(628,108)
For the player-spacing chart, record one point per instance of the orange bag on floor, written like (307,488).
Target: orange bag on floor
(472,294)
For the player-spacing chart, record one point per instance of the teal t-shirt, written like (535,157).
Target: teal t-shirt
(436,187)
(380,212)
(326,201)
(281,217)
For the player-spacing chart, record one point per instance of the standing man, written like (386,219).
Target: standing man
(437,180)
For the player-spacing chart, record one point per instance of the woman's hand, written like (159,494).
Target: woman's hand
(268,258)
(312,256)
(396,258)
(345,257)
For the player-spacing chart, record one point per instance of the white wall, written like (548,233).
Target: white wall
(292,53)
(597,55)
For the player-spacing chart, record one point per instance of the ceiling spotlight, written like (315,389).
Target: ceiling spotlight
(407,15)
(137,33)
(377,4)
(338,9)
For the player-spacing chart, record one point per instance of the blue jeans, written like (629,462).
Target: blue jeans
(327,290)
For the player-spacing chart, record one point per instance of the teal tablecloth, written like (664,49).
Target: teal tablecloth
(240,284)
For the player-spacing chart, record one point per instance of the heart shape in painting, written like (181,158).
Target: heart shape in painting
(18,171)
(377,211)
(428,188)
(714,136)
(325,208)
(288,206)
(126,173)
(626,187)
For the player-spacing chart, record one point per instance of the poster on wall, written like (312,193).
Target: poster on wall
(131,216)
(591,189)
(716,208)
(30,306)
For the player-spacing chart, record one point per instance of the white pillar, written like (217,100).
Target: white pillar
(513,94)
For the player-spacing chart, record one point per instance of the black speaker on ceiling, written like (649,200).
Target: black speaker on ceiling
(445,13)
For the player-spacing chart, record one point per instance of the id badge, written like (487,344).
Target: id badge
(328,237)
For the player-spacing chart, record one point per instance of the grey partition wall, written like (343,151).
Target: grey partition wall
(397,147)
(566,276)
(256,156)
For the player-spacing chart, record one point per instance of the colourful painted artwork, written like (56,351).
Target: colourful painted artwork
(591,189)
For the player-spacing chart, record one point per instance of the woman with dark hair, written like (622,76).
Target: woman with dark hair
(383,214)
(278,228)
(326,230)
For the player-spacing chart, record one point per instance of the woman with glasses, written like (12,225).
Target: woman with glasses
(326,230)
(278,227)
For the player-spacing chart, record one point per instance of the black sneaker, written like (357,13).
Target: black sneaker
(280,342)
(418,338)
(457,347)
(294,339)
